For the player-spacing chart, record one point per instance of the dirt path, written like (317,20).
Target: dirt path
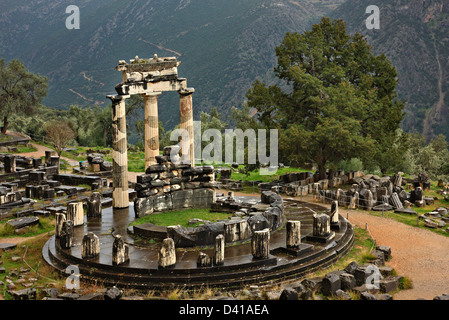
(418,254)
(19,240)
(40,152)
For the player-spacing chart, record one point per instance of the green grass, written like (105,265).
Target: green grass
(23,149)
(181,217)
(360,253)
(256,176)
(136,160)
(238,174)
(44,225)
(80,153)
(31,253)
(4,137)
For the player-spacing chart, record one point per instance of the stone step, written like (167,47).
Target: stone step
(227,279)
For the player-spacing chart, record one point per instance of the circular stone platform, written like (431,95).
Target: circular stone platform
(239,268)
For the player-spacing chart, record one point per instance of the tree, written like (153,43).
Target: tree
(21,91)
(245,117)
(59,133)
(337,99)
(431,158)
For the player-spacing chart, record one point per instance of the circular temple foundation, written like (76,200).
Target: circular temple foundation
(239,267)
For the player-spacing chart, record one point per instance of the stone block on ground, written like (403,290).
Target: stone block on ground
(24,294)
(386,250)
(143,206)
(362,273)
(19,223)
(347,281)
(330,284)
(342,295)
(351,267)
(389,284)
(367,296)
(289,294)
(113,293)
(313,284)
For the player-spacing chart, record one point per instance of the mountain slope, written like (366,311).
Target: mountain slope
(414,36)
(223,45)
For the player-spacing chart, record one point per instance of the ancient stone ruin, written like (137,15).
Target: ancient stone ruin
(147,77)
(264,238)
(367,192)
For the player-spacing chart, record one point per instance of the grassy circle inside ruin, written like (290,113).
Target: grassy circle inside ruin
(181,217)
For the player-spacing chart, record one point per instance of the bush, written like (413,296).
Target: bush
(354,164)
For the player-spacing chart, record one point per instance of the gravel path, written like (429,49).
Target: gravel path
(41,153)
(418,254)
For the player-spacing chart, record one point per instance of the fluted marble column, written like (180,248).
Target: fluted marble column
(151,129)
(120,196)
(186,123)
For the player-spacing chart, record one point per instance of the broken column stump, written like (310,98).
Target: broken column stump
(219,250)
(94,205)
(321,229)
(120,251)
(66,235)
(354,201)
(90,247)
(75,213)
(294,246)
(167,253)
(293,234)
(335,221)
(260,244)
(60,218)
(204,260)
(396,202)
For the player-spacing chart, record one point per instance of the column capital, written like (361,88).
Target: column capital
(152,94)
(117,97)
(186,91)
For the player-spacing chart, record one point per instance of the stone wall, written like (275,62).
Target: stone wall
(168,186)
